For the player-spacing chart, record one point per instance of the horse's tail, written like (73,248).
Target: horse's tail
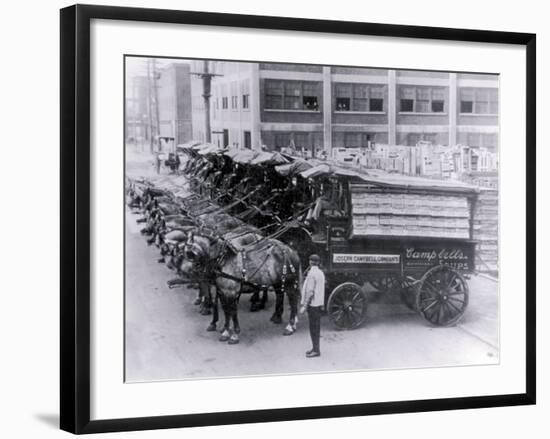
(300,277)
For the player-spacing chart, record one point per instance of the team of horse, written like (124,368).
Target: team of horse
(219,228)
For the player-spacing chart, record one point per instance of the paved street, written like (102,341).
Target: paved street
(166,337)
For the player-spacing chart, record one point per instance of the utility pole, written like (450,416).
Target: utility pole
(149,106)
(206,77)
(156,98)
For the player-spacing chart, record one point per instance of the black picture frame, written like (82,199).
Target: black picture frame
(75,217)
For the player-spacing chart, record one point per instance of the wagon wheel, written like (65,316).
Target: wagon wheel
(442,296)
(347,306)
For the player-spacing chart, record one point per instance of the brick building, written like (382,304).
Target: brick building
(324,107)
(174,95)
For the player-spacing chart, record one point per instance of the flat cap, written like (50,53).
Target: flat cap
(315,258)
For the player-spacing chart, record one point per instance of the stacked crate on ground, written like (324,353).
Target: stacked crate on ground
(485,230)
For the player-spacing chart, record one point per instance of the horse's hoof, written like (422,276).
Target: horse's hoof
(205,312)
(197,301)
(234,339)
(277,320)
(223,337)
(161,260)
(211,327)
(289,331)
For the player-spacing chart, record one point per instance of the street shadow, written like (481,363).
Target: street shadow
(49,419)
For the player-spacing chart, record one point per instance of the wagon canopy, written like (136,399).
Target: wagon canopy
(186,146)
(211,149)
(294,168)
(269,159)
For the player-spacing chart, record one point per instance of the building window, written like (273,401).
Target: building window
(422,99)
(343,104)
(291,95)
(282,140)
(309,98)
(489,141)
(245,101)
(359,97)
(413,139)
(234,102)
(479,100)
(376,104)
(407,105)
(480,140)
(357,140)
(225,101)
(301,140)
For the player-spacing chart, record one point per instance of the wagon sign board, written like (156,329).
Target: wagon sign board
(365,258)
(459,257)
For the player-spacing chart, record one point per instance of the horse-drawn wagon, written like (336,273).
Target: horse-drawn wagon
(393,232)
(398,233)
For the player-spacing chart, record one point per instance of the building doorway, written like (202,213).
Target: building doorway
(247,140)
(225,138)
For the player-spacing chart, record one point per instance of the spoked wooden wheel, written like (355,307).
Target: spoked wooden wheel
(442,296)
(347,306)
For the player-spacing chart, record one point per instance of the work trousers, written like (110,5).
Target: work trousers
(314,316)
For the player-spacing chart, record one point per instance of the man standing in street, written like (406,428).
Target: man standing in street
(313,298)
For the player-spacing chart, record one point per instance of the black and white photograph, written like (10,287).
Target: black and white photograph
(288,219)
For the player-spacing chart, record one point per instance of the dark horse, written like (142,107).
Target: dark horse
(255,264)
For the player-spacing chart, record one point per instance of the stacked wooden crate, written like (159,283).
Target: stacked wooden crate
(405,214)
(485,230)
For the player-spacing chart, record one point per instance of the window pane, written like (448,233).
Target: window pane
(422,106)
(342,104)
(493,103)
(310,103)
(438,106)
(343,90)
(274,102)
(413,139)
(274,87)
(311,89)
(360,91)
(423,94)
(292,102)
(407,93)
(300,140)
(489,140)
(351,140)
(466,94)
(293,88)
(282,140)
(438,94)
(474,139)
(406,105)
(430,137)
(482,94)
(377,92)
(466,107)
(365,137)
(376,104)
(360,104)
(482,107)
